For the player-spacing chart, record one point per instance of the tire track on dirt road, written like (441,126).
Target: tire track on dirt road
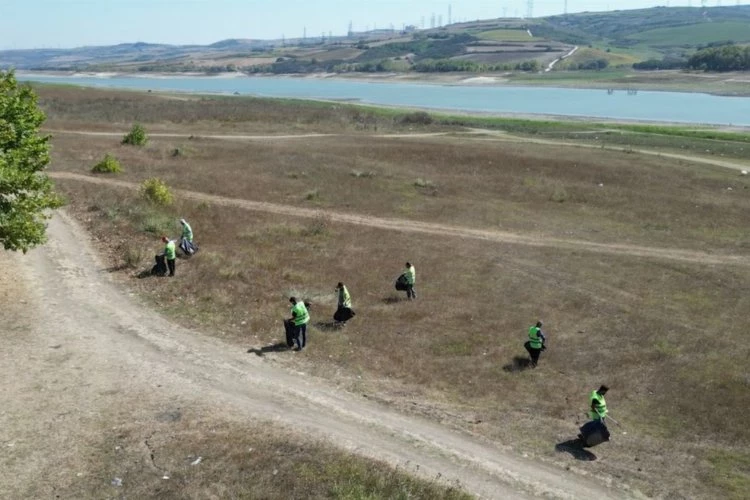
(111,338)
(411,226)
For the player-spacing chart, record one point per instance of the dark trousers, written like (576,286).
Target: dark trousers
(301,335)
(410,293)
(171,265)
(533,353)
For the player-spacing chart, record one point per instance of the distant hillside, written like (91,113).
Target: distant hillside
(618,38)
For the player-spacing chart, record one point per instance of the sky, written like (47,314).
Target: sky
(26,24)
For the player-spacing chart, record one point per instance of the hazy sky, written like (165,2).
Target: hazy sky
(72,23)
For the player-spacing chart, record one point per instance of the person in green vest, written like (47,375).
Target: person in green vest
(344,310)
(598,406)
(410,277)
(169,254)
(186,240)
(535,344)
(300,318)
(595,431)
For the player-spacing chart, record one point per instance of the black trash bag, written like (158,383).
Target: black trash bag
(290,331)
(594,433)
(160,268)
(401,283)
(343,314)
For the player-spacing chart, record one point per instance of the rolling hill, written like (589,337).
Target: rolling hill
(620,38)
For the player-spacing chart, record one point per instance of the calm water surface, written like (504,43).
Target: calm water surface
(648,106)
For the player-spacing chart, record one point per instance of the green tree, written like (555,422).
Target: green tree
(26,193)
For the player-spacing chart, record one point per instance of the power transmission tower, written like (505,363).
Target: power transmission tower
(565,10)
(432,20)
(505,12)
(703,3)
(450,13)
(530,9)
(350,33)
(440,20)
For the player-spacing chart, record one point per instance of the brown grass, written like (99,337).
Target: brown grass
(187,454)
(669,338)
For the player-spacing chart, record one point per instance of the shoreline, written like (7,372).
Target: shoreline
(447,112)
(682,82)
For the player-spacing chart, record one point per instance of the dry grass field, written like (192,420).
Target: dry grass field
(666,333)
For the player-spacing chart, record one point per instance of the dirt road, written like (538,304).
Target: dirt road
(437,229)
(74,344)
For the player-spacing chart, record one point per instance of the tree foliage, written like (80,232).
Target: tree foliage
(25,192)
(724,58)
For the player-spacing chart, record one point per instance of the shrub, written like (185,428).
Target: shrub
(108,165)
(157,192)
(134,256)
(312,195)
(319,226)
(418,118)
(136,136)
(424,183)
(358,174)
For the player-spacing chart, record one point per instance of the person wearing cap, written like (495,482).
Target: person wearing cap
(535,344)
(169,254)
(186,240)
(300,318)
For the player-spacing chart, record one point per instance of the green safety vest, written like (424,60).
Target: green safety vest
(169,251)
(411,275)
(187,232)
(345,299)
(599,410)
(534,340)
(300,314)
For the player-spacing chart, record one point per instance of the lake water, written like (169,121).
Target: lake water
(499,99)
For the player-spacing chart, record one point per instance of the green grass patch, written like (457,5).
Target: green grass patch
(694,34)
(731,473)
(505,35)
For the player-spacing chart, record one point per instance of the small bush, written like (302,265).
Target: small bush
(358,174)
(417,118)
(157,192)
(312,195)
(136,136)
(134,256)
(424,183)
(108,165)
(559,194)
(319,226)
